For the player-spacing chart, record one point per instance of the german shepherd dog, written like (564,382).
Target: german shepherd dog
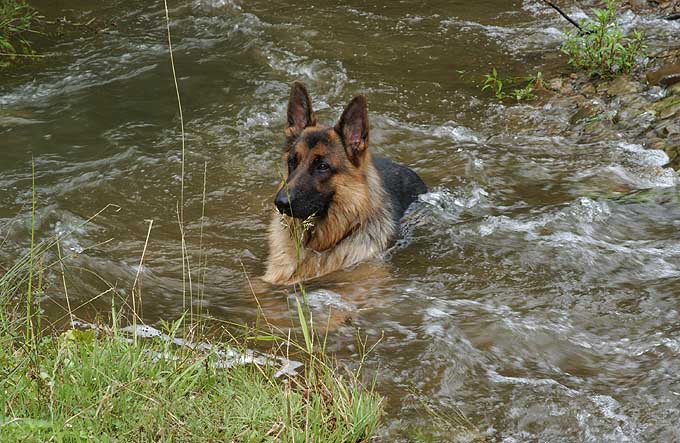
(338,204)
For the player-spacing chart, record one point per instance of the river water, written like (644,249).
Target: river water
(536,287)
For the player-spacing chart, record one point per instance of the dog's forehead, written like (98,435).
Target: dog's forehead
(318,136)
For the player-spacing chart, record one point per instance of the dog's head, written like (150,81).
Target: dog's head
(325,165)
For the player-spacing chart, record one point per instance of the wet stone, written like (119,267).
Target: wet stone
(670,128)
(636,119)
(667,107)
(582,114)
(602,88)
(665,76)
(657,143)
(673,152)
(630,102)
(556,84)
(588,89)
(623,85)
(638,5)
(562,85)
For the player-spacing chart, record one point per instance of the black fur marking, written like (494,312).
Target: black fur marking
(315,137)
(402,185)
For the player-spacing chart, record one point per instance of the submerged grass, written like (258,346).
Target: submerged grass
(16,21)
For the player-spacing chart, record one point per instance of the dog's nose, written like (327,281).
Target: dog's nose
(282,203)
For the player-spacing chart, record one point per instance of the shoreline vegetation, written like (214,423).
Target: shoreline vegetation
(614,82)
(17,22)
(25,32)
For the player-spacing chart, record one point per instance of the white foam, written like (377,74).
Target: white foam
(517,38)
(450,204)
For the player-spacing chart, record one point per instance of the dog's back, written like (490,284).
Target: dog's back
(401,185)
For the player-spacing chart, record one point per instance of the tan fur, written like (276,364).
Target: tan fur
(358,226)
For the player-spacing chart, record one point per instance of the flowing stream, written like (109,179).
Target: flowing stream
(535,289)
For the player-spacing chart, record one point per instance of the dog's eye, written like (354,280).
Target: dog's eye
(322,167)
(291,163)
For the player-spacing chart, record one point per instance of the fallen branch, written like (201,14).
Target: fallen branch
(569,19)
(9,54)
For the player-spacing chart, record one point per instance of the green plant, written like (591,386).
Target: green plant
(601,49)
(495,83)
(16,19)
(491,81)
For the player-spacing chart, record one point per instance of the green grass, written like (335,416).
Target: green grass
(16,20)
(601,49)
(87,388)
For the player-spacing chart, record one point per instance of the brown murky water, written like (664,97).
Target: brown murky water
(536,288)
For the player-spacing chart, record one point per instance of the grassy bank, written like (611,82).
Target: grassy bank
(108,384)
(79,387)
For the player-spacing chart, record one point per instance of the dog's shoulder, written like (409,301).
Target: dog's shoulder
(400,183)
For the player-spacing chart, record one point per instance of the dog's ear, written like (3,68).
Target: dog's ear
(353,128)
(299,114)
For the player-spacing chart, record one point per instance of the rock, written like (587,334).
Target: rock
(657,143)
(588,89)
(638,5)
(623,85)
(555,84)
(636,120)
(666,129)
(583,114)
(602,87)
(673,152)
(668,107)
(665,76)
(670,128)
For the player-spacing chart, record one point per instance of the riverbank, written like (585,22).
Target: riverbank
(642,107)
(83,386)
(136,383)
